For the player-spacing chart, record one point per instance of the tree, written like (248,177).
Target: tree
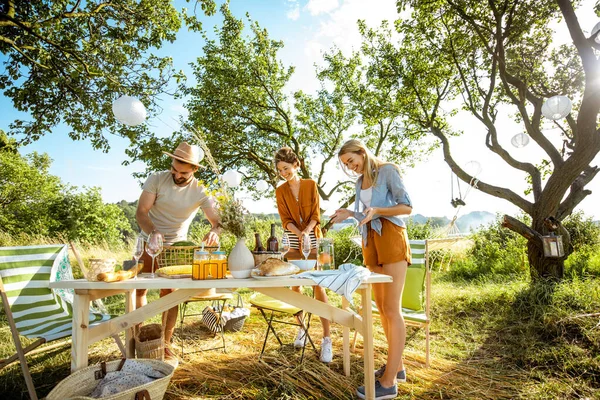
(67,60)
(497,56)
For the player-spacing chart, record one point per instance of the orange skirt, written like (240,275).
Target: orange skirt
(389,247)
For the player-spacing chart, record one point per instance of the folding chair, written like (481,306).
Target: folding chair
(416,296)
(33,309)
(221,296)
(268,306)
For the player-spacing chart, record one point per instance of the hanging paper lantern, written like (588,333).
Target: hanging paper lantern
(232,178)
(129,110)
(595,30)
(200,152)
(557,107)
(520,140)
(473,168)
(262,185)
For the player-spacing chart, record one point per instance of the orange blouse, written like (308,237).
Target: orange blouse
(300,212)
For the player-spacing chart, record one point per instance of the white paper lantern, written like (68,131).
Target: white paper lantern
(129,110)
(557,107)
(473,168)
(595,30)
(520,140)
(262,185)
(200,152)
(232,178)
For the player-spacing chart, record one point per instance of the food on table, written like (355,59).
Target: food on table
(116,276)
(175,270)
(276,267)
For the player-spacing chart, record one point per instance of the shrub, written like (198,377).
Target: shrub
(585,239)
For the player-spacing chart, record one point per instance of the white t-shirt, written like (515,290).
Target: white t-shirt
(175,207)
(366,195)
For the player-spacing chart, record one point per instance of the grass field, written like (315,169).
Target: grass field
(494,340)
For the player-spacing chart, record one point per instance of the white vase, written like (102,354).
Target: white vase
(240,261)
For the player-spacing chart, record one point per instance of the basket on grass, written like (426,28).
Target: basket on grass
(80,384)
(150,342)
(260,256)
(233,324)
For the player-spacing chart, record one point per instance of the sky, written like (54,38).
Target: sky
(309,28)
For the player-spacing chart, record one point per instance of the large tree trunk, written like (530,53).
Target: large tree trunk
(541,267)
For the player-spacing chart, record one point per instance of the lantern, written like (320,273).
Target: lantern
(520,140)
(557,107)
(553,246)
(129,110)
(595,30)
(232,178)
(262,185)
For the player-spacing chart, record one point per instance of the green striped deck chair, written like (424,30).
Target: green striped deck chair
(33,309)
(416,294)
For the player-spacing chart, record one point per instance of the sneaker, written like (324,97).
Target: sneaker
(300,339)
(326,350)
(400,376)
(380,392)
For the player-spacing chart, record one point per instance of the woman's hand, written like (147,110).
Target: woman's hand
(369,212)
(212,237)
(341,215)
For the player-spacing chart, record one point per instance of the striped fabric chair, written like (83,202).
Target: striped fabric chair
(416,296)
(33,309)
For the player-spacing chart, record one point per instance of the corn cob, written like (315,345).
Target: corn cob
(176,270)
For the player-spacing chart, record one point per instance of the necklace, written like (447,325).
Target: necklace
(295,190)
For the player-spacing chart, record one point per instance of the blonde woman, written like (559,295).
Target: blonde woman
(380,199)
(298,206)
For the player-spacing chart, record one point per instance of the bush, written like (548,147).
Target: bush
(585,239)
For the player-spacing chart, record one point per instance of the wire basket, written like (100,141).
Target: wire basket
(98,266)
(178,255)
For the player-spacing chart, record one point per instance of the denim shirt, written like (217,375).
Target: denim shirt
(388,191)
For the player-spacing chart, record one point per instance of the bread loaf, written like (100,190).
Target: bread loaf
(276,267)
(115,276)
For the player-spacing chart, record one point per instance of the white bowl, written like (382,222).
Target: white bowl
(242,274)
(304,265)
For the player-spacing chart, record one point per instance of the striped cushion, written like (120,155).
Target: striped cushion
(39,312)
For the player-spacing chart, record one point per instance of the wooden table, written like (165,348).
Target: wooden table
(278,288)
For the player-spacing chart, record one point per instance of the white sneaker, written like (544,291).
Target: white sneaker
(300,339)
(326,350)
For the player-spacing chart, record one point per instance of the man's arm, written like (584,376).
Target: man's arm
(212,237)
(145,203)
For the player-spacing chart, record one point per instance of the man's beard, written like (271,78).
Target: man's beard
(180,180)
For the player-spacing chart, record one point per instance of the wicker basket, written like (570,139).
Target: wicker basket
(80,384)
(153,349)
(100,265)
(260,256)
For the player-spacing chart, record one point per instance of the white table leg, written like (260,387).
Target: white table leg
(130,332)
(346,336)
(81,322)
(369,360)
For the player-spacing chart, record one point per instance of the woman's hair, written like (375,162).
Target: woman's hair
(286,155)
(371,164)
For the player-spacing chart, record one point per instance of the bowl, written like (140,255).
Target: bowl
(242,274)
(304,265)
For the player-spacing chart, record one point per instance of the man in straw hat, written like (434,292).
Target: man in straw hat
(167,206)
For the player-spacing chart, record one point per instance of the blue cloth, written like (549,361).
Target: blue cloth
(388,191)
(344,281)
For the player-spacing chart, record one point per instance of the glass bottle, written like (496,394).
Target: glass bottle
(325,257)
(258,244)
(273,243)
(201,259)
(219,264)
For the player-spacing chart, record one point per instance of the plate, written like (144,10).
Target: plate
(266,278)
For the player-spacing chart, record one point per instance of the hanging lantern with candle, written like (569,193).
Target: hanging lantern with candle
(520,140)
(557,107)
(553,246)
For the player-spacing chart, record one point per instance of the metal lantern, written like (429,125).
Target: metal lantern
(557,107)
(520,140)
(232,178)
(595,30)
(553,246)
(129,110)
(262,185)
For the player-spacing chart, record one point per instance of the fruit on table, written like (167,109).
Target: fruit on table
(176,270)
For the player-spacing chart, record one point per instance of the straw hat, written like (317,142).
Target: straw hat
(186,153)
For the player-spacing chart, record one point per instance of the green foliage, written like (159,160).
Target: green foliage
(129,209)
(497,254)
(420,231)
(585,239)
(345,250)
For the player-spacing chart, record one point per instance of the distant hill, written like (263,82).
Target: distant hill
(465,223)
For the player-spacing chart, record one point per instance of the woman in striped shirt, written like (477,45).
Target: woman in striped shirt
(298,206)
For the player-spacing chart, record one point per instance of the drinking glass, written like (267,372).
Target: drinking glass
(306,246)
(284,246)
(154,247)
(138,250)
